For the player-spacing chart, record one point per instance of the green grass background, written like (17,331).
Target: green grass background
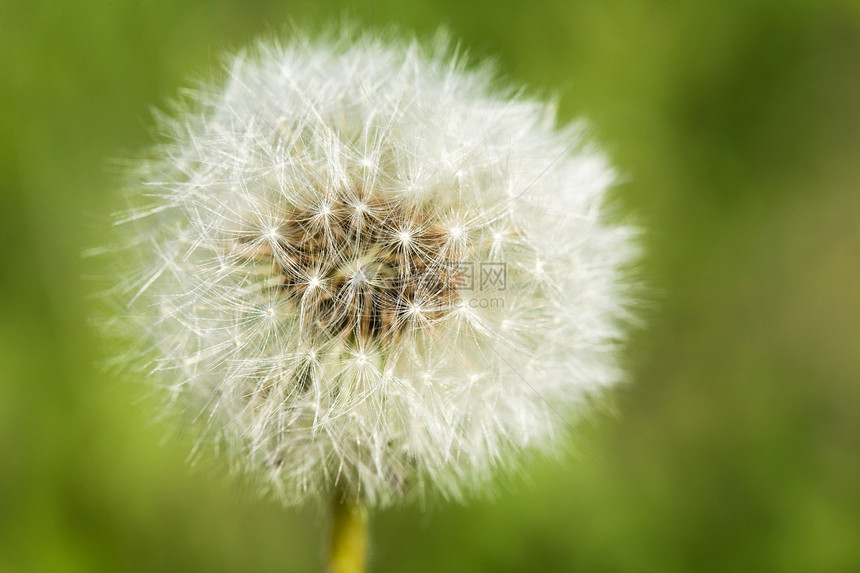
(736,447)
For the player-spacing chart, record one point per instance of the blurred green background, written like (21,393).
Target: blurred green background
(735,448)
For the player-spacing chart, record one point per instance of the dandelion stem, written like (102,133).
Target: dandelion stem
(349,536)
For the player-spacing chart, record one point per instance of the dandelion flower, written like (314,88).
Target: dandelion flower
(369,268)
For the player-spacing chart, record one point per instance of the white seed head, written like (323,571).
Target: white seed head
(368,267)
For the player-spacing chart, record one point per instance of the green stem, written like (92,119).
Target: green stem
(349,536)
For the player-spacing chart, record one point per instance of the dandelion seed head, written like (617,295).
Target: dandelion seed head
(368,266)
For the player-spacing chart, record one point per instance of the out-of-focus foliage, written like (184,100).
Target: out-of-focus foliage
(736,447)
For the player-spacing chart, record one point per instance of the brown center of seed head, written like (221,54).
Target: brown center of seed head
(363,268)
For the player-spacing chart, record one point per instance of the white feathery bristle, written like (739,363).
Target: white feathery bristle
(365,266)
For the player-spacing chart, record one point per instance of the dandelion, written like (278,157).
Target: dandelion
(373,272)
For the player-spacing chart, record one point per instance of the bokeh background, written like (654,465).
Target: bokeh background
(736,446)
